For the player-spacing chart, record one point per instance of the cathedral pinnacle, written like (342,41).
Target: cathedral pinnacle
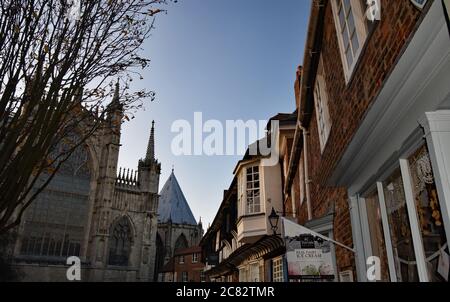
(151,144)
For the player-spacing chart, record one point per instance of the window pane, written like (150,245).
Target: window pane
(376,233)
(355,43)
(277,269)
(60,210)
(347,5)
(351,22)
(429,211)
(349,57)
(345,37)
(342,18)
(256,208)
(400,229)
(249,205)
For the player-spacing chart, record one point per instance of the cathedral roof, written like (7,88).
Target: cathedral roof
(173,206)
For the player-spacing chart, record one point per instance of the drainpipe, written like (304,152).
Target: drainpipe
(306,170)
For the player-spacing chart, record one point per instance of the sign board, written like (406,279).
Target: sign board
(308,254)
(212,259)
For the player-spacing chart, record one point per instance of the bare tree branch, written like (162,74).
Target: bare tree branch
(56,73)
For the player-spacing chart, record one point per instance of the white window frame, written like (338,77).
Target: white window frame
(322,106)
(248,210)
(202,276)
(184,276)
(413,220)
(361,32)
(181,260)
(195,258)
(386,230)
(278,269)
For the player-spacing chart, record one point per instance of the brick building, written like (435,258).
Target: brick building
(369,165)
(185,266)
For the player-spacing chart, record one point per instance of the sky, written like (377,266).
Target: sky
(229,60)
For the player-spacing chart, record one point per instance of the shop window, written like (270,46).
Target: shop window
(377,241)
(428,212)
(243,274)
(254,272)
(400,229)
(277,270)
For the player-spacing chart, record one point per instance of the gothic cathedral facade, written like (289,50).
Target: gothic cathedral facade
(107,219)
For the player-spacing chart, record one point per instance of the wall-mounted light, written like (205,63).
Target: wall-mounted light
(273,220)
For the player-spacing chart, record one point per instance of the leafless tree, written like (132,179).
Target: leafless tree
(59,60)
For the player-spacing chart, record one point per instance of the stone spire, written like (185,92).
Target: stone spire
(116,98)
(151,144)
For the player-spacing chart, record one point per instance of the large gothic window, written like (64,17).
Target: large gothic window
(54,224)
(120,243)
(181,243)
(160,254)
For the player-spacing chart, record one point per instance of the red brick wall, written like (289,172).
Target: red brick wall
(348,104)
(193,269)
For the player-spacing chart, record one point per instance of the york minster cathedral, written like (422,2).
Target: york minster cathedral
(105,215)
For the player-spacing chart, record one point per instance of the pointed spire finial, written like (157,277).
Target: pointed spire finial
(116,91)
(116,96)
(173,169)
(151,144)
(115,103)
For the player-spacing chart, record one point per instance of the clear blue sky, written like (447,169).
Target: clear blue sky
(230,60)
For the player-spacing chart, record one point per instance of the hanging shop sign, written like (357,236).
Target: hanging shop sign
(308,254)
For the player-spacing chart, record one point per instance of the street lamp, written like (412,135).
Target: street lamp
(273,219)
